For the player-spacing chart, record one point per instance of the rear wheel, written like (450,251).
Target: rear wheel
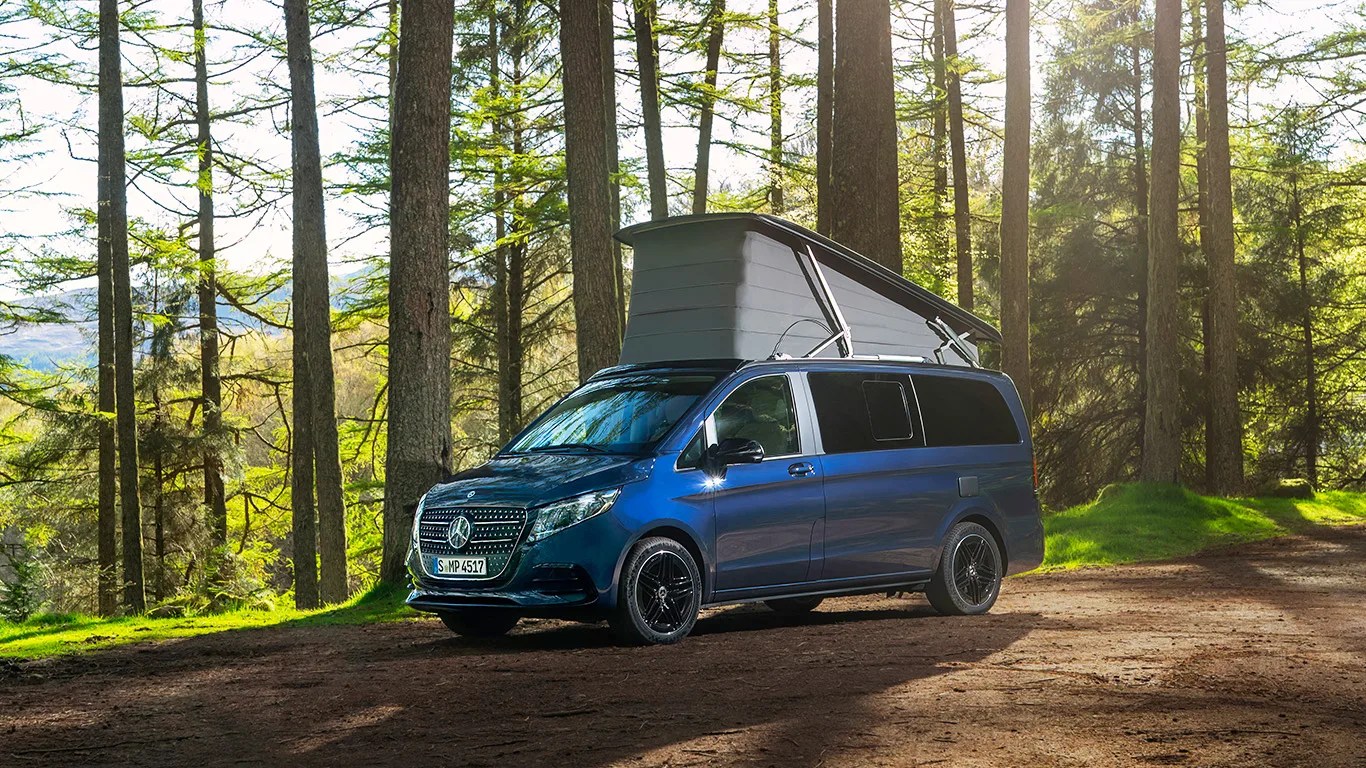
(968,578)
(661,590)
(480,622)
(793,606)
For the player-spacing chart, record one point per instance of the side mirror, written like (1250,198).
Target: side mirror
(733,450)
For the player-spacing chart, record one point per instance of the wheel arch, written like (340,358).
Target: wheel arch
(684,537)
(981,517)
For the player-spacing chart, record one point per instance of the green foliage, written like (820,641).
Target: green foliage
(19,598)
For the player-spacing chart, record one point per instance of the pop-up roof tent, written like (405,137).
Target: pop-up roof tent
(746,286)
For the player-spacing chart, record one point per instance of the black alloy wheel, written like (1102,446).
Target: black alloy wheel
(661,591)
(968,578)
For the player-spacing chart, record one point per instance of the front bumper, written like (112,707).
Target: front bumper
(568,573)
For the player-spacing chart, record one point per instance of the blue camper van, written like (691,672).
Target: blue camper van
(743,452)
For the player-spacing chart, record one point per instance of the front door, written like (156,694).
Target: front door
(768,515)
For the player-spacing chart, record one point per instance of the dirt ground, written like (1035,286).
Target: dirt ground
(1251,656)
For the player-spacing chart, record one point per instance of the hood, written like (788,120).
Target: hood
(529,481)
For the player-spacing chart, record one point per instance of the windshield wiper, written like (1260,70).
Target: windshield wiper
(567,446)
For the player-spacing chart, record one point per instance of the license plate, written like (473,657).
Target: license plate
(460,566)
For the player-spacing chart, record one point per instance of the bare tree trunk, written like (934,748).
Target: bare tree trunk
(1312,427)
(598,328)
(1015,205)
(108,514)
(313,314)
(210,386)
(607,18)
(775,113)
(1140,212)
(502,304)
(516,264)
(647,56)
(962,212)
(939,130)
(1225,450)
(1162,438)
(1202,207)
(419,439)
(115,209)
(825,111)
(867,217)
(303,512)
(716,25)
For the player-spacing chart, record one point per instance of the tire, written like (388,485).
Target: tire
(660,592)
(968,579)
(794,606)
(480,622)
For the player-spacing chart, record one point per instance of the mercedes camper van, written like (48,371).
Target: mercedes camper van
(743,452)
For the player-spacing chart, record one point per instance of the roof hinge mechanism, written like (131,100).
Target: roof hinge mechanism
(952,341)
(840,334)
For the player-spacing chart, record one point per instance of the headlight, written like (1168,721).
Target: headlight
(417,516)
(553,518)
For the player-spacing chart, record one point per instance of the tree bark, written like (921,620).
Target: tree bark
(1225,449)
(115,210)
(1140,211)
(775,113)
(108,513)
(825,111)
(302,510)
(962,213)
(1312,427)
(607,18)
(647,56)
(313,314)
(715,24)
(1202,201)
(210,386)
(867,214)
(1015,205)
(939,129)
(1161,426)
(419,437)
(598,329)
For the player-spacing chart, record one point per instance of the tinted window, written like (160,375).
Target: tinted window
(962,411)
(692,455)
(864,411)
(761,410)
(622,414)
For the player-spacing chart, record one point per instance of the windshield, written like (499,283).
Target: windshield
(623,414)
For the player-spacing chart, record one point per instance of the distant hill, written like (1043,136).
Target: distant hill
(45,346)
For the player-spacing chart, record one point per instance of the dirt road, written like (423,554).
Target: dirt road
(1252,656)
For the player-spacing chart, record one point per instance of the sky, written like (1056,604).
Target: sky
(61,169)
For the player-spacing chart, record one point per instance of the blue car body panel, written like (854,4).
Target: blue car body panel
(854,521)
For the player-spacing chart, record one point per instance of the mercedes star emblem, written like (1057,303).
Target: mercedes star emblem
(459,533)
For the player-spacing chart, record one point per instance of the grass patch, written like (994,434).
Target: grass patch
(57,634)
(1135,523)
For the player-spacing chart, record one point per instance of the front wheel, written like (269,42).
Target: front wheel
(968,578)
(480,622)
(661,590)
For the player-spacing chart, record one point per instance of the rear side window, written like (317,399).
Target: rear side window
(864,411)
(963,411)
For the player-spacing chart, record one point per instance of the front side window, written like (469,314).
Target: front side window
(761,410)
(622,414)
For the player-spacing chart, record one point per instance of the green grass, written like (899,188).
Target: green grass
(54,635)
(1135,523)
(1126,524)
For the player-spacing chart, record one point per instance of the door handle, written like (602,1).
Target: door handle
(801,469)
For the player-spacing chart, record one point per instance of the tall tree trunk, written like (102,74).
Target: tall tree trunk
(775,113)
(647,56)
(108,513)
(598,329)
(1161,426)
(1202,201)
(115,209)
(1015,205)
(419,439)
(939,129)
(867,217)
(716,26)
(825,111)
(1225,450)
(502,304)
(962,213)
(608,38)
(303,511)
(516,256)
(1312,427)
(210,386)
(313,314)
(1140,210)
